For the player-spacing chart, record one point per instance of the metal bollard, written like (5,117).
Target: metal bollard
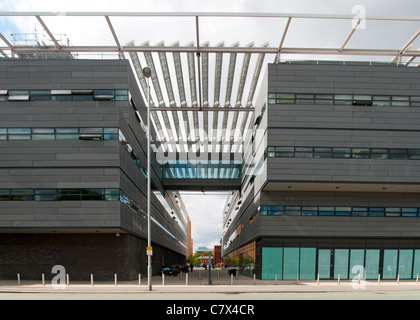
(255,280)
(68,280)
(231,279)
(338,278)
(398,279)
(139,279)
(417,279)
(379,278)
(163,279)
(18,279)
(297,278)
(186,279)
(317,279)
(91,280)
(43,279)
(115,279)
(275,279)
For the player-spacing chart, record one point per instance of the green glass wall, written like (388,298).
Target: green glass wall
(288,263)
(405,263)
(341,263)
(324,263)
(272,263)
(307,263)
(389,270)
(357,259)
(372,264)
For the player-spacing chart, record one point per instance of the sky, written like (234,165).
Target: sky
(205,211)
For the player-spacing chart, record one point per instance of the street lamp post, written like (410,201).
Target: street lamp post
(147,72)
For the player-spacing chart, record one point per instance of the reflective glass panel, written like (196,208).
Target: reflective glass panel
(389,268)
(341,263)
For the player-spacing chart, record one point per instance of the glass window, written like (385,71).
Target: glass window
(400,103)
(90,130)
(19,137)
(272,263)
(359,211)
(45,195)
(310,211)
(389,268)
(343,211)
(92,194)
(303,154)
(19,131)
(112,194)
(69,194)
(67,136)
(307,263)
(285,149)
(409,212)
(341,152)
(42,130)
(341,263)
(405,263)
(357,257)
(290,263)
(372,264)
(18,92)
(376,212)
(292,211)
(360,153)
(392,212)
(416,264)
(326,211)
(22,194)
(285,96)
(67,130)
(43,137)
(362,97)
(343,97)
(4,195)
(324,263)
(62,97)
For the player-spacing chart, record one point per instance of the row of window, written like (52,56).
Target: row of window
(58,194)
(338,211)
(344,99)
(58,133)
(201,171)
(309,263)
(343,152)
(64,95)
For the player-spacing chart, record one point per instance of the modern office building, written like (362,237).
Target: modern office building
(321,159)
(73,178)
(331,176)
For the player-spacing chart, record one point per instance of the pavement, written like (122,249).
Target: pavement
(198,282)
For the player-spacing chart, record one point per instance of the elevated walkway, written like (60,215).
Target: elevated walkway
(207,176)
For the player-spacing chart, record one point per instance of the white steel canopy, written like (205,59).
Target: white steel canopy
(210,89)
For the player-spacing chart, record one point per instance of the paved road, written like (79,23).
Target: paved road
(266,296)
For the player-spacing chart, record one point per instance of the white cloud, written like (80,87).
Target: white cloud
(206,213)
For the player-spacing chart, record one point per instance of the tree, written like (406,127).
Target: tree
(193,259)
